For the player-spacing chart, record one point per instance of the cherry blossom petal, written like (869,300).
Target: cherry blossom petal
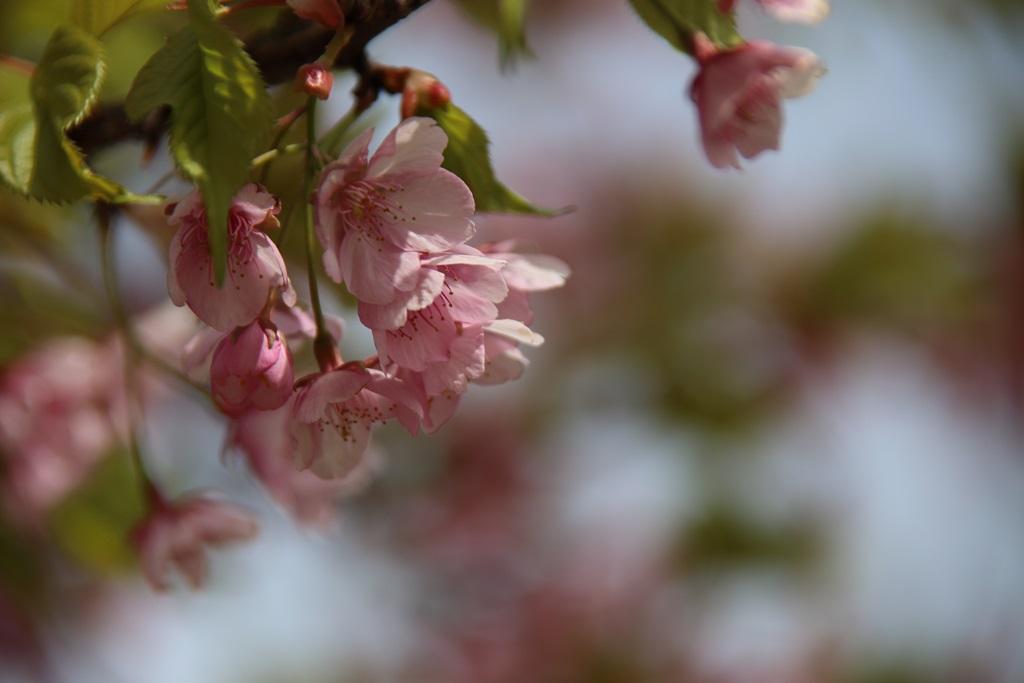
(372,271)
(413,146)
(330,387)
(393,315)
(431,212)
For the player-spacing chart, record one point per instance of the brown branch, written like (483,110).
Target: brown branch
(278,52)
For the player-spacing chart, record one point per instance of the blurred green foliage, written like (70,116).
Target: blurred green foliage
(896,271)
(93,523)
(722,538)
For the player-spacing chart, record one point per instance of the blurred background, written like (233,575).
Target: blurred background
(775,434)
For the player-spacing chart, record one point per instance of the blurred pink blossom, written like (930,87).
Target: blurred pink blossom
(739,92)
(263,438)
(178,533)
(801,11)
(62,407)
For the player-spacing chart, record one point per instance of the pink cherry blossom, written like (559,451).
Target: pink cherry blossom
(62,407)
(436,409)
(326,12)
(251,370)
(525,274)
(503,361)
(801,11)
(255,266)
(374,215)
(178,533)
(739,92)
(455,291)
(263,438)
(333,414)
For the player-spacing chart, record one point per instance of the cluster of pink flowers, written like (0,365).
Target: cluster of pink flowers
(62,408)
(394,229)
(739,91)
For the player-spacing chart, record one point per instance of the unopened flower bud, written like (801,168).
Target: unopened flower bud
(423,89)
(251,369)
(316,80)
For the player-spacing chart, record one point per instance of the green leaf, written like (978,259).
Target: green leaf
(507,18)
(94,522)
(220,113)
(98,16)
(468,156)
(36,157)
(678,20)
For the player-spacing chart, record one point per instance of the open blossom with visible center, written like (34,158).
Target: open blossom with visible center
(802,11)
(333,414)
(178,533)
(263,438)
(375,215)
(251,370)
(441,319)
(255,267)
(739,92)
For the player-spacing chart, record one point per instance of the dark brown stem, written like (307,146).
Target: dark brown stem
(278,52)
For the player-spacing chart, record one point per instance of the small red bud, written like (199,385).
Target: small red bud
(438,95)
(423,89)
(314,79)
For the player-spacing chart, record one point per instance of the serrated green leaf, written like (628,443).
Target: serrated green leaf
(468,156)
(98,16)
(68,77)
(36,157)
(94,522)
(220,113)
(678,20)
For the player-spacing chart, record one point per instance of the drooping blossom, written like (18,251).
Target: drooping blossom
(62,407)
(739,92)
(326,12)
(375,215)
(177,534)
(251,369)
(440,320)
(255,268)
(800,11)
(263,438)
(333,413)
(524,274)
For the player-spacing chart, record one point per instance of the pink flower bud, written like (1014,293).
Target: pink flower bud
(178,533)
(422,89)
(326,12)
(251,369)
(316,80)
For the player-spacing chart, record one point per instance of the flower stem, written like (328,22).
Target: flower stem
(104,213)
(323,345)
